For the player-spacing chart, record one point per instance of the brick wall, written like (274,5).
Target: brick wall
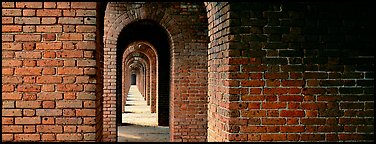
(48,71)
(291,72)
(297,71)
(218,49)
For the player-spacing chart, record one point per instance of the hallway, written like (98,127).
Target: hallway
(140,125)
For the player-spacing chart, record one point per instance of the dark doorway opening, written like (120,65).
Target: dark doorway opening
(133,79)
(156,35)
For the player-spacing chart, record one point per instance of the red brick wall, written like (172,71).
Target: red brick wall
(272,71)
(218,49)
(290,72)
(48,71)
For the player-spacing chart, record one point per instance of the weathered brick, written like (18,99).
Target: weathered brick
(69,137)
(27,37)
(83,5)
(29,4)
(86,45)
(28,104)
(11,112)
(89,136)
(48,137)
(11,96)
(49,12)
(27,137)
(11,28)
(6,38)
(70,54)
(70,71)
(49,37)
(50,63)
(49,71)
(49,28)
(49,5)
(28,120)
(49,112)
(28,12)
(86,63)
(7,4)
(292,113)
(84,128)
(11,46)
(7,120)
(7,88)
(49,46)
(273,137)
(11,63)
(49,20)
(27,20)
(85,112)
(49,129)
(80,12)
(28,112)
(69,112)
(7,71)
(28,55)
(85,28)
(48,104)
(11,12)
(63,4)
(49,79)
(48,120)
(29,63)
(70,20)
(69,104)
(28,88)
(70,129)
(68,120)
(8,104)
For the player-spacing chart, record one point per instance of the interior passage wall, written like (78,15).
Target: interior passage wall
(291,71)
(48,71)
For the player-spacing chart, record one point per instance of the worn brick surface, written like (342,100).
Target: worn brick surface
(239,71)
(34,67)
(306,84)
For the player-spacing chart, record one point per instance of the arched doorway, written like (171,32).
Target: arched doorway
(133,79)
(180,38)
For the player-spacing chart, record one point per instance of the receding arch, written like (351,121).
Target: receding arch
(183,43)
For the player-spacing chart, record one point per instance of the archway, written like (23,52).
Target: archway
(182,37)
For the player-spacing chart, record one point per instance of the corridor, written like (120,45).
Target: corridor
(139,124)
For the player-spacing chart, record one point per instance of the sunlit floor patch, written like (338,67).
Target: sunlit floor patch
(140,124)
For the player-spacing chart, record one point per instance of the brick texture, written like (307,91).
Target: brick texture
(213,71)
(35,62)
(289,72)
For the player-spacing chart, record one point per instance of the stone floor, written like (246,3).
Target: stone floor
(140,124)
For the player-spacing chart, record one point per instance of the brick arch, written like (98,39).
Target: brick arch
(138,66)
(126,74)
(187,49)
(149,51)
(147,64)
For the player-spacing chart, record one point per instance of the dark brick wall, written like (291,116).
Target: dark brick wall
(294,71)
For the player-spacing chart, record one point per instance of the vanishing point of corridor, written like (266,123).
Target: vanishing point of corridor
(139,124)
